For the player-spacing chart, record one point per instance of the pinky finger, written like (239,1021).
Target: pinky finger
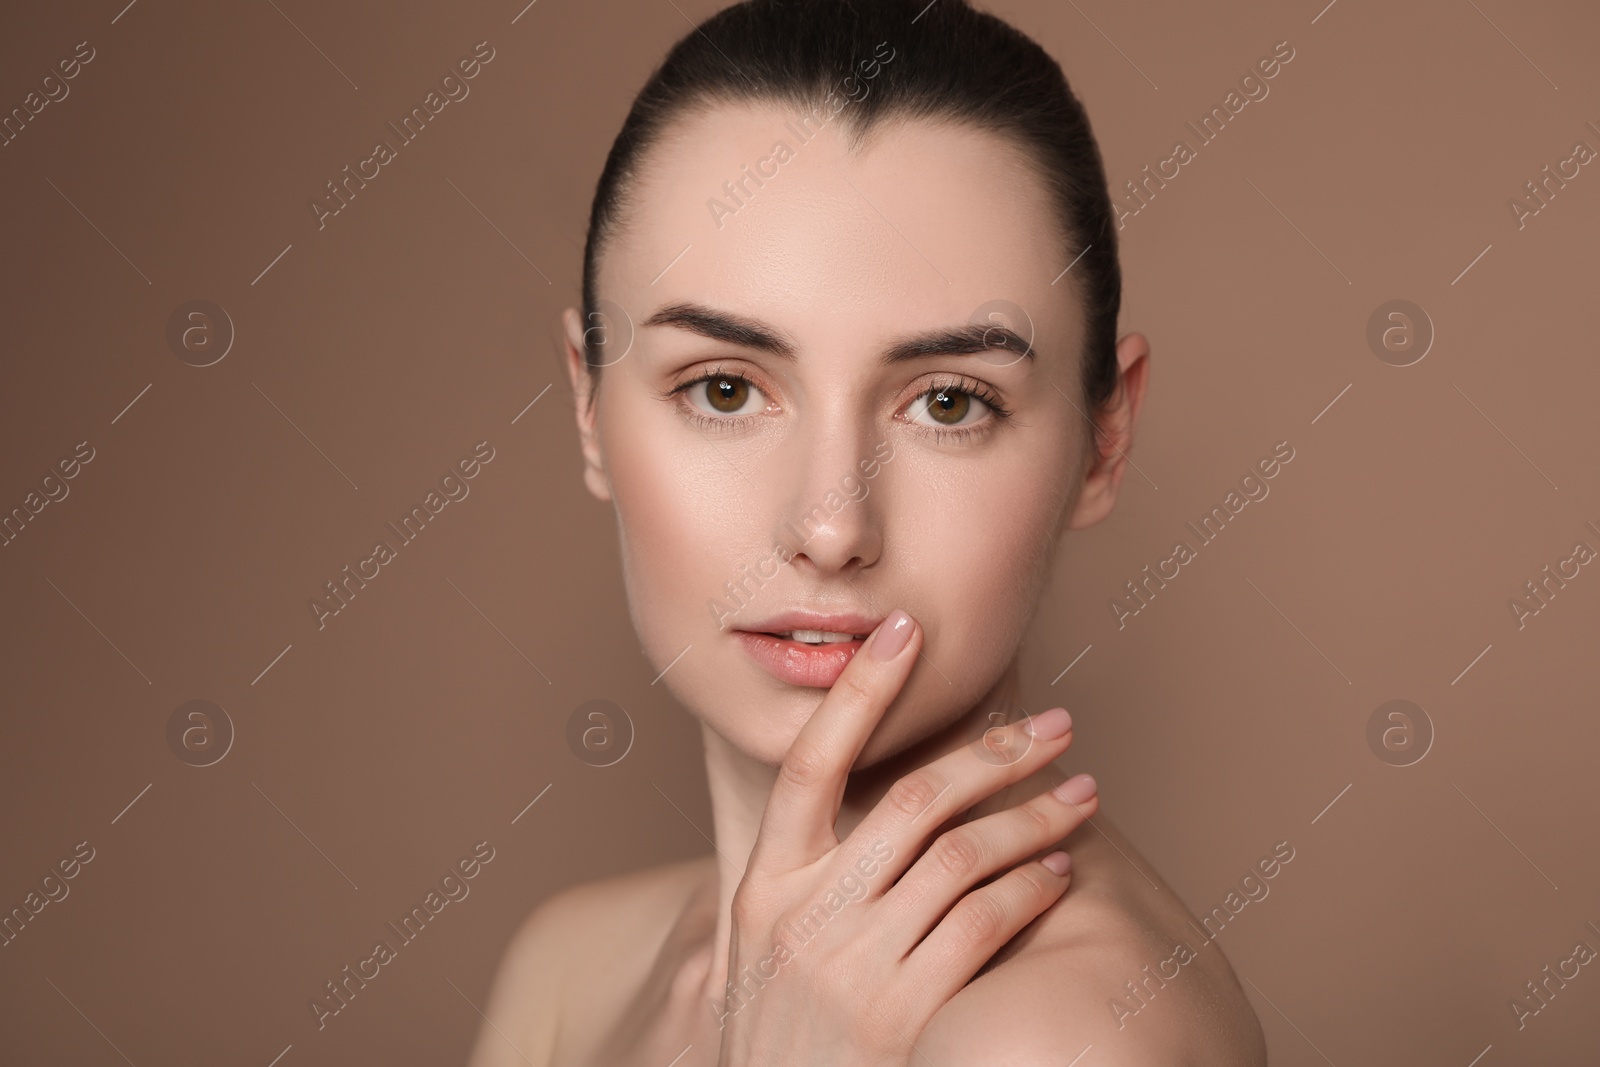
(982,922)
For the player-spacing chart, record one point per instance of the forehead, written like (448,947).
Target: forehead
(927,221)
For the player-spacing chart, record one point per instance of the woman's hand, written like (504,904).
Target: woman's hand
(840,954)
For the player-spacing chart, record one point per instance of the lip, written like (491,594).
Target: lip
(799,619)
(797,663)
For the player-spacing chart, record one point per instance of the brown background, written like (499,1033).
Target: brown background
(429,713)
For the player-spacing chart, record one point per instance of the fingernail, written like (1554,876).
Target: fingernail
(890,636)
(1058,862)
(1049,726)
(1076,790)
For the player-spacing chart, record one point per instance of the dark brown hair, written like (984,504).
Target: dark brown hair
(950,62)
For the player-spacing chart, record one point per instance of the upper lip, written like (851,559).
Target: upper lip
(848,623)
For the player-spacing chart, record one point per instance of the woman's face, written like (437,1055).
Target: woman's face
(811,473)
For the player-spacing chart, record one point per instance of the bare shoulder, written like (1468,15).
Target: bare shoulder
(612,923)
(1115,964)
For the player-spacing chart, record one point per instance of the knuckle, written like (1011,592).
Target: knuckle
(834,975)
(958,853)
(742,911)
(912,794)
(981,919)
(749,905)
(805,764)
(856,692)
(1033,889)
(1041,822)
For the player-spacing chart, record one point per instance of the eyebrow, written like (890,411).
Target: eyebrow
(966,339)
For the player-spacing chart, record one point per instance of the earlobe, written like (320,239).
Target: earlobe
(586,406)
(1113,434)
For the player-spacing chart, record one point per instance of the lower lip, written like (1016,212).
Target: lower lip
(798,663)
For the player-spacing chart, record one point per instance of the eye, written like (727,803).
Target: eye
(948,406)
(726,395)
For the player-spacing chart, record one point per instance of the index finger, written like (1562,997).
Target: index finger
(798,823)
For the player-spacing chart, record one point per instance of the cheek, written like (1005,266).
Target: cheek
(662,535)
(682,534)
(973,541)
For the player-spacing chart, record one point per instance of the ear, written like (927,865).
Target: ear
(585,399)
(1113,434)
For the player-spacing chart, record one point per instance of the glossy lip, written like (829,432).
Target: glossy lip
(797,663)
(839,623)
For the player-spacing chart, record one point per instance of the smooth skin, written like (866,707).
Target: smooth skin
(866,977)
(965,948)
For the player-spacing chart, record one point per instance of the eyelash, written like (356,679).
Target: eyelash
(970,386)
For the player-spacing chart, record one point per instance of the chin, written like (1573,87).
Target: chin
(763,724)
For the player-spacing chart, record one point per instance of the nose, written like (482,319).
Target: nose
(832,519)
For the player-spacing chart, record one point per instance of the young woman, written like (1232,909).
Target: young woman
(847,370)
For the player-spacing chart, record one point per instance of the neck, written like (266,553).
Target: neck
(740,787)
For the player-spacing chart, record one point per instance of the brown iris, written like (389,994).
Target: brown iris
(727,395)
(949,405)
